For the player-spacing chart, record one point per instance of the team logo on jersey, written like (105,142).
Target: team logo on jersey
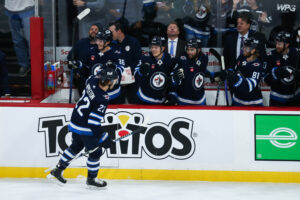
(92,57)
(127,48)
(158,80)
(101,54)
(291,79)
(160,62)
(106,97)
(182,57)
(198,62)
(198,81)
(255,64)
(191,69)
(96,69)
(244,63)
(153,66)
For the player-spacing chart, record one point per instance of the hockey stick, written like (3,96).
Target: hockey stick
(79,17)
(221,60)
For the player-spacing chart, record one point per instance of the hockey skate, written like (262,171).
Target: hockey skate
(57,174)
(94,183)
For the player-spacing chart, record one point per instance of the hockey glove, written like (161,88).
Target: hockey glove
(145,69)
(105,140)
(281,72)
(177,76)
(74,64)
(232,77)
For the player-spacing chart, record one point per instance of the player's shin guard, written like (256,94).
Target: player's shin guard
(93,166)
(65,159)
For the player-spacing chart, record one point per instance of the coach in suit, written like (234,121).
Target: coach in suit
(233,42)
(176,46)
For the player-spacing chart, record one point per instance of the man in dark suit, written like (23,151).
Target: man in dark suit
(233,42)
(176,46)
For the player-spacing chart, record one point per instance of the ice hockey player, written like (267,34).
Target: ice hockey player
(283,72)
(188,77)
(245,79)
(107,54)
(153,73)
(86,127)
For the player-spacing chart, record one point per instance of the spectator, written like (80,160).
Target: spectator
(188,77)
(283,72)
(233,42)
(258,12)
(131,10)
(19,13)
(287,24)
(4,88)
(244,80)
(81,53)
(197,26)
(175,45)
(153,73)
(145,30)
(130,54)
(96,16)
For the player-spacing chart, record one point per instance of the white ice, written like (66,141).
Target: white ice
(75,189)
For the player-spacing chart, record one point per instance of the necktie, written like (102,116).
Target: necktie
(242,45)
(172,49)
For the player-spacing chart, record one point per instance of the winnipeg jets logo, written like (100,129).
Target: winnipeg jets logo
(198,62)
(158,80)
(198,81)
(127,48)
(285,57)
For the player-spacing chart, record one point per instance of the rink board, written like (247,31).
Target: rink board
(178,143)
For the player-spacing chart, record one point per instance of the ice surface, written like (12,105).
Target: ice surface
(30,189)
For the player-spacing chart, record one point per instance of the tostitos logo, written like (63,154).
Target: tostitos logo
(157,140)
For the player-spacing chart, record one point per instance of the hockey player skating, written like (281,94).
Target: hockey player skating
(86,127)
(107,54)
(283,72)
(153,73)
(244,80)
(188,77)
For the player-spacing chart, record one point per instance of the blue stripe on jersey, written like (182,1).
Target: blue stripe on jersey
(237,101)
(273,73)
(183,101)
(115,93)
(93,122)
(239,82)
(147,99)
(79,130)
(92,114)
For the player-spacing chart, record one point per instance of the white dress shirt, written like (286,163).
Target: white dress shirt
(175,46)
(238,45)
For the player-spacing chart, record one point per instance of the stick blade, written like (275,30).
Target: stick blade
(84,13)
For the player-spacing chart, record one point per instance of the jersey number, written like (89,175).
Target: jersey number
(255,75)
(86,105)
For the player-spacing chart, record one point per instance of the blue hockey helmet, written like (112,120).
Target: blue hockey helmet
(105,35)
(107,73)
(194,43)
(283,36)
(251,42)
(159,41)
